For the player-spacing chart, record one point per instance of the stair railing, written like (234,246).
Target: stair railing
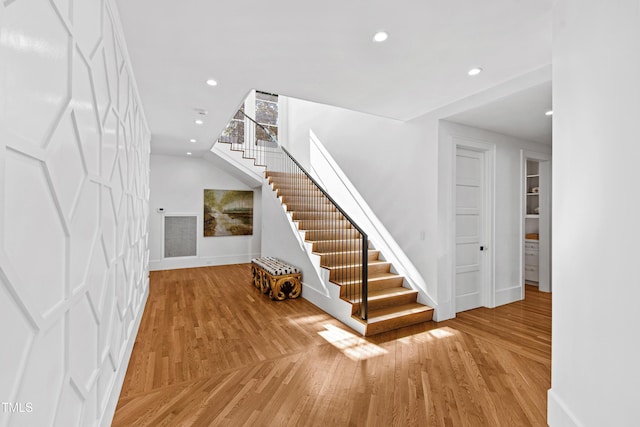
(346,245)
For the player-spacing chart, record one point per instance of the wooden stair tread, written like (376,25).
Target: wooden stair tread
(385,293)
(344,254)
(314,221)
(304,225)
(351,241)
(372,278)
(388,292)
(389,313)
(322,230)
(371,262)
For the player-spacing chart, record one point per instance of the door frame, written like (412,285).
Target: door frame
(544,226)
(488,214)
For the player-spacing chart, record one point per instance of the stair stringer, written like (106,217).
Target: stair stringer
(235,163)
(282,239)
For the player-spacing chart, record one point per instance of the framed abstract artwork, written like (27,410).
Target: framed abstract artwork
(228,213)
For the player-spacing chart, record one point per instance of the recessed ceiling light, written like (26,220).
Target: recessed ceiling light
(192,140)
(380,36)
(189,153)
(212,82)
(549,113)
(475,71)
(199,122)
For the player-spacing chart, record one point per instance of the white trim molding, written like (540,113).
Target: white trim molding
(558,414)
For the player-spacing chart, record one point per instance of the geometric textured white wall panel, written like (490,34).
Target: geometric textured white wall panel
(101,85)
(33,230)
(89,408)
(16,337)
(34,36)
(117,184)
(74,187)
(69,407)
(65,163)
(63,7)
(116,333)
(87,21)
(43,377)
(96,277)
(108,224)
(84,229)
(109,46)
(86,112)
(109,144)
(83,344)
(104,383)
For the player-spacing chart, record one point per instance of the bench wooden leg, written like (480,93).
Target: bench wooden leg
(283,287)
(265,286)
(256,273)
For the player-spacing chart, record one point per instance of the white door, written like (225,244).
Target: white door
(469,229)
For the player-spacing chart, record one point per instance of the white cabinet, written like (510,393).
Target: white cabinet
(531,257)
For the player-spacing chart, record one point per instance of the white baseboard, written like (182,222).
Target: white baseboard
(310,293)
(558,415)
(441,312)
(194,262)
(123,364)
(507,296)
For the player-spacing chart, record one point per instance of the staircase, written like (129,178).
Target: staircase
(376,294)
(338,244)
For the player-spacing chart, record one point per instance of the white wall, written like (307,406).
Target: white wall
(391,163)
(596,103)
(507,205)
(74,161)
(177,185)
(403,170)
(333,179)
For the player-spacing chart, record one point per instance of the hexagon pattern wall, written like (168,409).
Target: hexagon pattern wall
(74,168)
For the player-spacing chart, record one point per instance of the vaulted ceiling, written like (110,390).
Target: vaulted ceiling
(322,51)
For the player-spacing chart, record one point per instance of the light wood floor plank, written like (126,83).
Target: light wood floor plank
(213,351)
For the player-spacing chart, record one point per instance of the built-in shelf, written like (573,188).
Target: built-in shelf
(532,189)
(531,222)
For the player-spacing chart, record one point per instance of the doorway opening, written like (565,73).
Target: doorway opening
(536,221)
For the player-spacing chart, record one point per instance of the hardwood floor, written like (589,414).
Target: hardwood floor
(213,351)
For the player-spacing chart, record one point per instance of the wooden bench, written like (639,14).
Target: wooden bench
(277,278)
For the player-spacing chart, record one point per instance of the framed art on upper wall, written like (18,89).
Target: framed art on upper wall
(228,213)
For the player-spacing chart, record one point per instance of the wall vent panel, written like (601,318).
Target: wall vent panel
(180,236)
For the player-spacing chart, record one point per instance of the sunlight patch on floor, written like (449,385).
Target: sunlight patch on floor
(445,332)
(354,347)
(305,320)
(439,333)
